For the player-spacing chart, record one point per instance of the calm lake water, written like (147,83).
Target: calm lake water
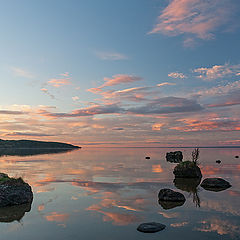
(105,193)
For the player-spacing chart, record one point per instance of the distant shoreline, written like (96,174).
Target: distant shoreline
(32,144)
(163,147)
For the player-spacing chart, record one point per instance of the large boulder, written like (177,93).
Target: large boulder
(150,227)
(14,191)
(187,169)
(215,184)
(175,157)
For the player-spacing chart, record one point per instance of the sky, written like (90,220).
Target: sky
(121,73)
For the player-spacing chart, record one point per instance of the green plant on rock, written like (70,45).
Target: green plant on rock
(195,156)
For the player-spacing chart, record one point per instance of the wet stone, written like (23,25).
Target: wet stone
(215,184)
(150,227)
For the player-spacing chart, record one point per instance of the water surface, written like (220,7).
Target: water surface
(106,193)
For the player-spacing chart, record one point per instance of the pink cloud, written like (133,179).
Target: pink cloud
(59,82)
(115,80)
(217,71)
(195,17)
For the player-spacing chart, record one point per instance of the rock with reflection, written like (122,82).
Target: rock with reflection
(14,213)
(151,227)
(189,185)
(174,157)
(168,198)
(215,184)
(187,169)
(14,191)
(169,205)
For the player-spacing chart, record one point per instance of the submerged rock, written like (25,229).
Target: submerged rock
(215,184)
(187,169)
(175,157)
(169,195)
(218,161)
(236,156)
(14,191)
(150,227)
(147,157)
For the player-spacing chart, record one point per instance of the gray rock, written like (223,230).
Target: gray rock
(14,192)
(150,227)
(215,184)
(187,169)
(175,157)
(170,196)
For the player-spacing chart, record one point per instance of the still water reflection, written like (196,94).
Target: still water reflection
(107,192)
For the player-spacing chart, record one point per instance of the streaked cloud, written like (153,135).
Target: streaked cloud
(88,111)
(194,18)
(116,80)
(10,112)
(176,75)
(33,134)
(168,105)
(217,71)
(20,72)
(165,84)
(63,80)
(110,55)
(196,125)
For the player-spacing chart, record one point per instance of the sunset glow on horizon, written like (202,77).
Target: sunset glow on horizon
(121,73)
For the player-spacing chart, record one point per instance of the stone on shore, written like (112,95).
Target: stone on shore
(175,157)
(187,169)
(14,191)
(150,227)
(215,184)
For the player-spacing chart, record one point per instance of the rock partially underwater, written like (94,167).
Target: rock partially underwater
(215,184)
(168,198)
(14,191)
(174,157)
(187,169)
(150,227)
